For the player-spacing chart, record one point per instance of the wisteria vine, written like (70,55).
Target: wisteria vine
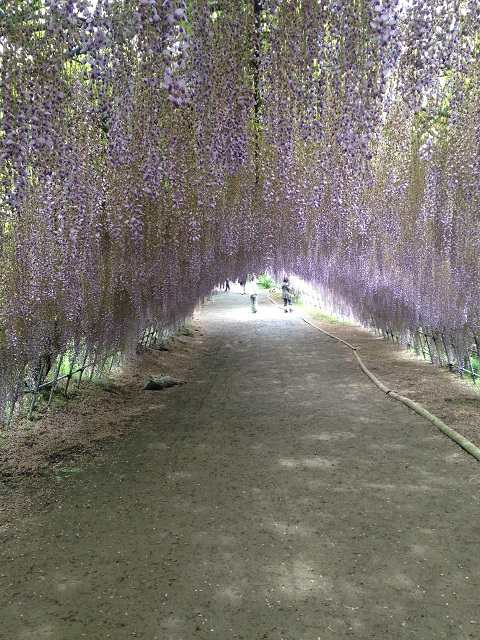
(151,147)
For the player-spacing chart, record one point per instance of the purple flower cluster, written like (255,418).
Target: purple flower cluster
(149,147)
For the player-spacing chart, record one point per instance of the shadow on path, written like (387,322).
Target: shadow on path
(279,495)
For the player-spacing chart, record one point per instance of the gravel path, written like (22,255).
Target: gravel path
(278,495)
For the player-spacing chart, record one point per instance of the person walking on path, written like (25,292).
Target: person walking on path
(227,285)
(286,295)
(253,293)
(243,282)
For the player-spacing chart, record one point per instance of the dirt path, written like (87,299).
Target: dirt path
(277,495)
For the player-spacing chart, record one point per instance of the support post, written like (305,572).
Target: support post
(55,380)
(35,392)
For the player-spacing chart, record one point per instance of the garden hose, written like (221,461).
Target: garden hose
(451,433)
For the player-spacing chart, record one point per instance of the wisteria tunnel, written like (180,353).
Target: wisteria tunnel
(149,148)
(152,149)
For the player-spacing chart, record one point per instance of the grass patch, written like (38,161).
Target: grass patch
(186,329)
(314,313)
(265,282)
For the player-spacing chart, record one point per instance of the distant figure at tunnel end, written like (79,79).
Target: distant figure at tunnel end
(286,295)
(253,289)
(243,282)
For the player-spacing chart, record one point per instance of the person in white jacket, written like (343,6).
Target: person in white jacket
(253,290)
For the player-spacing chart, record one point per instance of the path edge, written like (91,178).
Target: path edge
(411,404)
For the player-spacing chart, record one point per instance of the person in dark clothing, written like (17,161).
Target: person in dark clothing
(286,295)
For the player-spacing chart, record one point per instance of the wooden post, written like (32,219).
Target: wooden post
(34,393)
(72,364)
(82,369)
(54,381)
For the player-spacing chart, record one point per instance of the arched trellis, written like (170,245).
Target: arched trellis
(149,147)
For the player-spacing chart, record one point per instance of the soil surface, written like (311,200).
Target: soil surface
(278,494)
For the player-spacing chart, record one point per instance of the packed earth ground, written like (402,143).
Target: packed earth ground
(278,494)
